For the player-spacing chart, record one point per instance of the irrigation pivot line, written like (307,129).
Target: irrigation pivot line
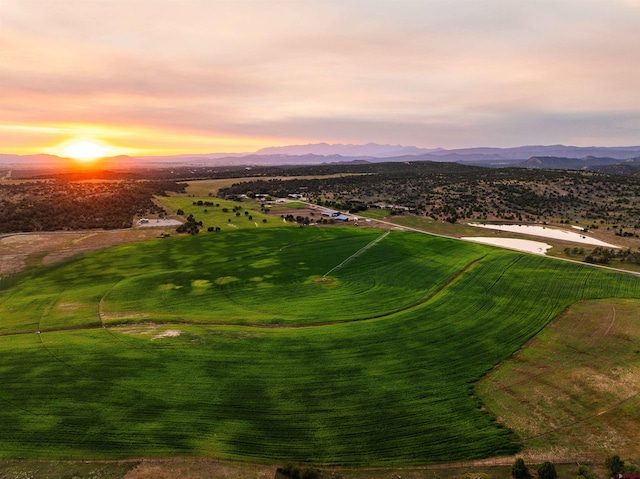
(357,253)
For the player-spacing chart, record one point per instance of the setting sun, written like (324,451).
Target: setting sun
(85,151)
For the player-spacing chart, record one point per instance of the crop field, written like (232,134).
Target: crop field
(323,345)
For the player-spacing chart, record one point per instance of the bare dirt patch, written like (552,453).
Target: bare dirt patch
(142,328)
(114,316)
(20,250)
(312,213)
(93,241)
(199,469)
(169,333)
(147,329)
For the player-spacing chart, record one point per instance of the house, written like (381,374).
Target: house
(342,218)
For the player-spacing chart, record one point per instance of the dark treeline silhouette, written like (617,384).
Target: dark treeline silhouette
(64,205)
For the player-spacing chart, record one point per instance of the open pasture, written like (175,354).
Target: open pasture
(574,390)
(246,215)
(232,346)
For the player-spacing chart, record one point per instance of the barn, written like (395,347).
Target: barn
(330,213)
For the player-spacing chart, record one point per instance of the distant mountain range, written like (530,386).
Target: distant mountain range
(554,162)
(372,150)
(554,156)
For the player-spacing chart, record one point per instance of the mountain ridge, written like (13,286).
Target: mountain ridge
(335,153)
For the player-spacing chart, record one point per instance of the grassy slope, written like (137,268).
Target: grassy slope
(391,390)
(574,388)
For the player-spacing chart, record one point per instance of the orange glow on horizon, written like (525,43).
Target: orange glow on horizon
(59,139)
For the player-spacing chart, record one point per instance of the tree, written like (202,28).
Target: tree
(180,212)
(614,464)
(519,469)
(585,473)
(547,471)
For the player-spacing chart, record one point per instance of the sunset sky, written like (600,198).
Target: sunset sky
(148,77)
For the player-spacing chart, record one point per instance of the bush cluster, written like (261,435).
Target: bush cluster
(299,472)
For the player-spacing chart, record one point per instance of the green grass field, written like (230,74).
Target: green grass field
(231,346)
(375,213)
(216,216)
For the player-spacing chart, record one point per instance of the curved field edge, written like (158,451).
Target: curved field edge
(575,387)
(273,278)
(394,390)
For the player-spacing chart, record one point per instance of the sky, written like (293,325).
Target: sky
(152,77)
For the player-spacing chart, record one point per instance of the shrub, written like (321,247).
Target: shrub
(585,473)
(547,471)
(519,469)
(310,473)
(296,472)
(614,464)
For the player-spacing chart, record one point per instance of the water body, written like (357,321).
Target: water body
(546,232)
(528,246)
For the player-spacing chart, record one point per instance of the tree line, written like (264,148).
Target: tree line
(65,205)
(455,192)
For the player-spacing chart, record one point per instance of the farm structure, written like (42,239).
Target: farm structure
(330,213)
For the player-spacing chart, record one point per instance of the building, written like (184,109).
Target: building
(330,213)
